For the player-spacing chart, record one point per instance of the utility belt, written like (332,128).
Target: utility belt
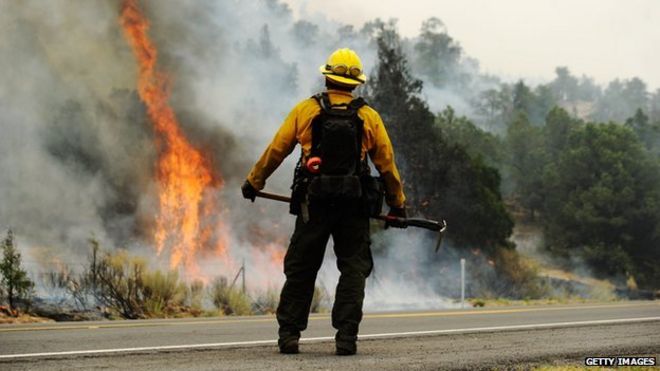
(320,189)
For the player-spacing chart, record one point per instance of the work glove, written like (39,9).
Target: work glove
(392,221)
(248,191)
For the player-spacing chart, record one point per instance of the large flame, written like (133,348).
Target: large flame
(184,226)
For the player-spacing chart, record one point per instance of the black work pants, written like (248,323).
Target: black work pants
(349,228)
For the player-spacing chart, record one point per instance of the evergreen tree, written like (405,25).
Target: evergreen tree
(647,132)
(525,160)
(588,90)
(441,178)
(544,101)
(436,54)
(654,107)
(523,99)
(635,94)
(488,105)
(603,203)
(556,132)
(565,85)
(612,105)
(17,284)
(477,142)
(534,104)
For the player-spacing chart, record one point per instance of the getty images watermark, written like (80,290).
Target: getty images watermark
(619,361)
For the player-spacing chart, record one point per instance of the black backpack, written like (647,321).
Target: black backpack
(337,140)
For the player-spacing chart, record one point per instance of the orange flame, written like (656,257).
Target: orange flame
(182,172)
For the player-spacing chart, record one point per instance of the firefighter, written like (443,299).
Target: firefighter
(333,195)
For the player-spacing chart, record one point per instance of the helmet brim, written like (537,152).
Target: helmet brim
(344,80)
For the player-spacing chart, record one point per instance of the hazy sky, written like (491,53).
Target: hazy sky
(524,38)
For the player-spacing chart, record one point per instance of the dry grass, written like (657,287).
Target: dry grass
(129,289)
(266,301)
(228,299)
(598,290)
(520,275)
(22,318)
(486,302)
(195,297)
(162,293)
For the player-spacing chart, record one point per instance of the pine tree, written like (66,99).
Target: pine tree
(441,179)
(396,95)
(604,203)
(436,54)
(17,284)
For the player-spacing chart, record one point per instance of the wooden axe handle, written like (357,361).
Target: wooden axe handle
(409,222)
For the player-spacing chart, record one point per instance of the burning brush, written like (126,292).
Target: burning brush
(183,174)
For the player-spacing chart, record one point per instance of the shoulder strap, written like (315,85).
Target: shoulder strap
(360,131)
(357,103)
(324,101)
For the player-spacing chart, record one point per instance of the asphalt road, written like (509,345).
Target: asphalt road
(468,339)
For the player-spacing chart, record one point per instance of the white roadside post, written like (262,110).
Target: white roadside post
(462,283)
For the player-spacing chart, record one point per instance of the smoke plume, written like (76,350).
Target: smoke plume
(78,152)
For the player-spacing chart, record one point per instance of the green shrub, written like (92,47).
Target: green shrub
(118,283)
(229,300)
(162,293)
(125,285)
(519,276)
(195,297)
(478,303)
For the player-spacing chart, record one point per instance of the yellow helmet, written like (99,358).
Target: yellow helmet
(344,67)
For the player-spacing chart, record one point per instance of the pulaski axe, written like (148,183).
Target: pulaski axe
(433,225)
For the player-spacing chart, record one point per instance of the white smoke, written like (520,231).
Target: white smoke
(76,150)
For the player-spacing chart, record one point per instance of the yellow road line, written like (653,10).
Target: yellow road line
(498,311)
(134,324)
(322,317)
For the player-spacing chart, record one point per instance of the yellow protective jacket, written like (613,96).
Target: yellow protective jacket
(297,128)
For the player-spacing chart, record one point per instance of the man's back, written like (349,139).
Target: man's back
(297,128)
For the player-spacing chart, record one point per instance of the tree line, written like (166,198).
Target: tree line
(590,180)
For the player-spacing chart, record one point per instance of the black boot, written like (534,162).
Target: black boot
(288,345)
(346,348)
(346,345)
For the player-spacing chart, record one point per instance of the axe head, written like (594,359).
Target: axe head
(441,234)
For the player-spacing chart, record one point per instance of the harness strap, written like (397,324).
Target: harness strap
(351,108)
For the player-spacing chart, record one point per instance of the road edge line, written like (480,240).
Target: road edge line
(327,338)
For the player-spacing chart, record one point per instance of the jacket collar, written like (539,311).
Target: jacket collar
(340,92)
